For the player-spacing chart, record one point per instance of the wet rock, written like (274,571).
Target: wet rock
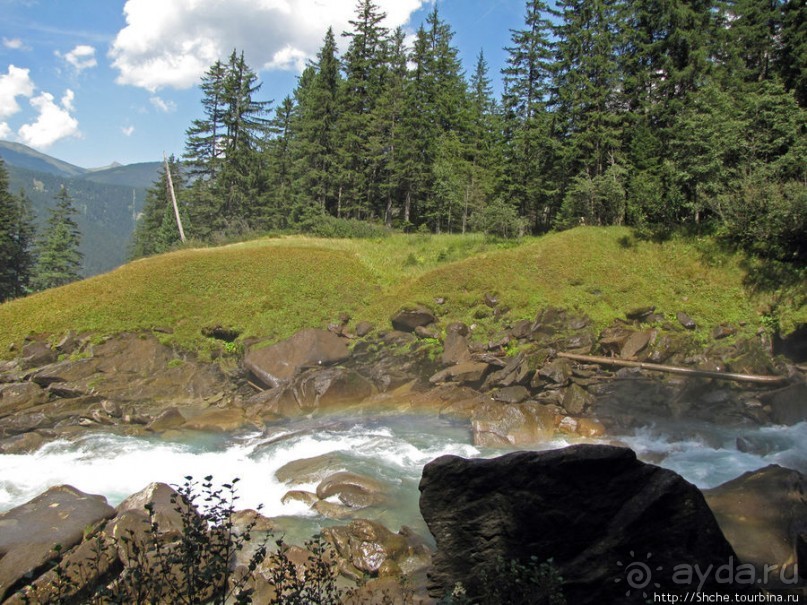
(788,405)
(332,510)
(368,547)
(320,389)
(497,425)
(29,532)
(586,507)
(466,372)
(576,399)
(761,513)
(352,489)
(515,394)
(218,420)
(298,495)
(171,418)
(22,444)
(20,396)
(163,498)
(585,427)
(406,320)
(310,470)
(278,364)
(686,321)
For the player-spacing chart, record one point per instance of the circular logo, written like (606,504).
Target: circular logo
(637,574)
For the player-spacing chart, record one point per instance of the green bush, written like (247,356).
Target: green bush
(767,219)
(499,219)
(513,583)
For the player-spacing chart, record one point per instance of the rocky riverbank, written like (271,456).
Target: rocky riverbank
(511,390)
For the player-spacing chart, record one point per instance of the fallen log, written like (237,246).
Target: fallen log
(657,367)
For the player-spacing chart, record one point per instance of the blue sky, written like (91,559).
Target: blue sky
(97,81)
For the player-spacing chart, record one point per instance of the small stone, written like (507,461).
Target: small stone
(686,321)
(363,328)
(640,313)
(515,394)
(723,331)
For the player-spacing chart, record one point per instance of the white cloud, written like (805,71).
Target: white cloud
(81,57)
(53,123)
(127,130)
(5,131)
(13,43)
(163,105)
(16,83)
(171,44)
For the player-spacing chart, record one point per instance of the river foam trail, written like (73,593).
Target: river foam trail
(393,449)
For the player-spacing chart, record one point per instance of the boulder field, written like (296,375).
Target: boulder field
(611,529)
(514,389)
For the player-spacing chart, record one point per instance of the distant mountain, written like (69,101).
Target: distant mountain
(140,175)
(16,154)
(100,168)
(108,199)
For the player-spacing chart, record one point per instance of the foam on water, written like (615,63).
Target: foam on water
(708,455)
(392,448)
(117,466)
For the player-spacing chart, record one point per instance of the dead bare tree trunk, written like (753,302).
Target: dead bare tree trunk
(173,198)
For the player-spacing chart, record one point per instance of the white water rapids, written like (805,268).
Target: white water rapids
(393,449)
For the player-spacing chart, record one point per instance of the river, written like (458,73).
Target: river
(392,448)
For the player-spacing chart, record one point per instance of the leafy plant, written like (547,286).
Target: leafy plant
(513,583)
(192,569)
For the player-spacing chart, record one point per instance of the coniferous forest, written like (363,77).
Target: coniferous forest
(657,114)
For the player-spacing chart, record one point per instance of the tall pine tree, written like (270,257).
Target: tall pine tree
(527,123)
(16,239)
(57,251)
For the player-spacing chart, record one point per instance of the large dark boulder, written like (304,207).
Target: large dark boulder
(279,363)
(30,532)
(596,510)
(763,513)
(406,320)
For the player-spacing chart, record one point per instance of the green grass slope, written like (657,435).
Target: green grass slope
(271,288)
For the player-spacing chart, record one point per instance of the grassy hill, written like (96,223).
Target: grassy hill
(273,287)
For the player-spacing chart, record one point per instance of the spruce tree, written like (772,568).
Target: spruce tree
(222,149)
(204,145)
(793,52)
(388,128)
(316,132)
(16,238)
(57,251)
(527,123)
(277,205)
(365,68)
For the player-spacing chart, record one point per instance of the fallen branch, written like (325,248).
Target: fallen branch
(657,367)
